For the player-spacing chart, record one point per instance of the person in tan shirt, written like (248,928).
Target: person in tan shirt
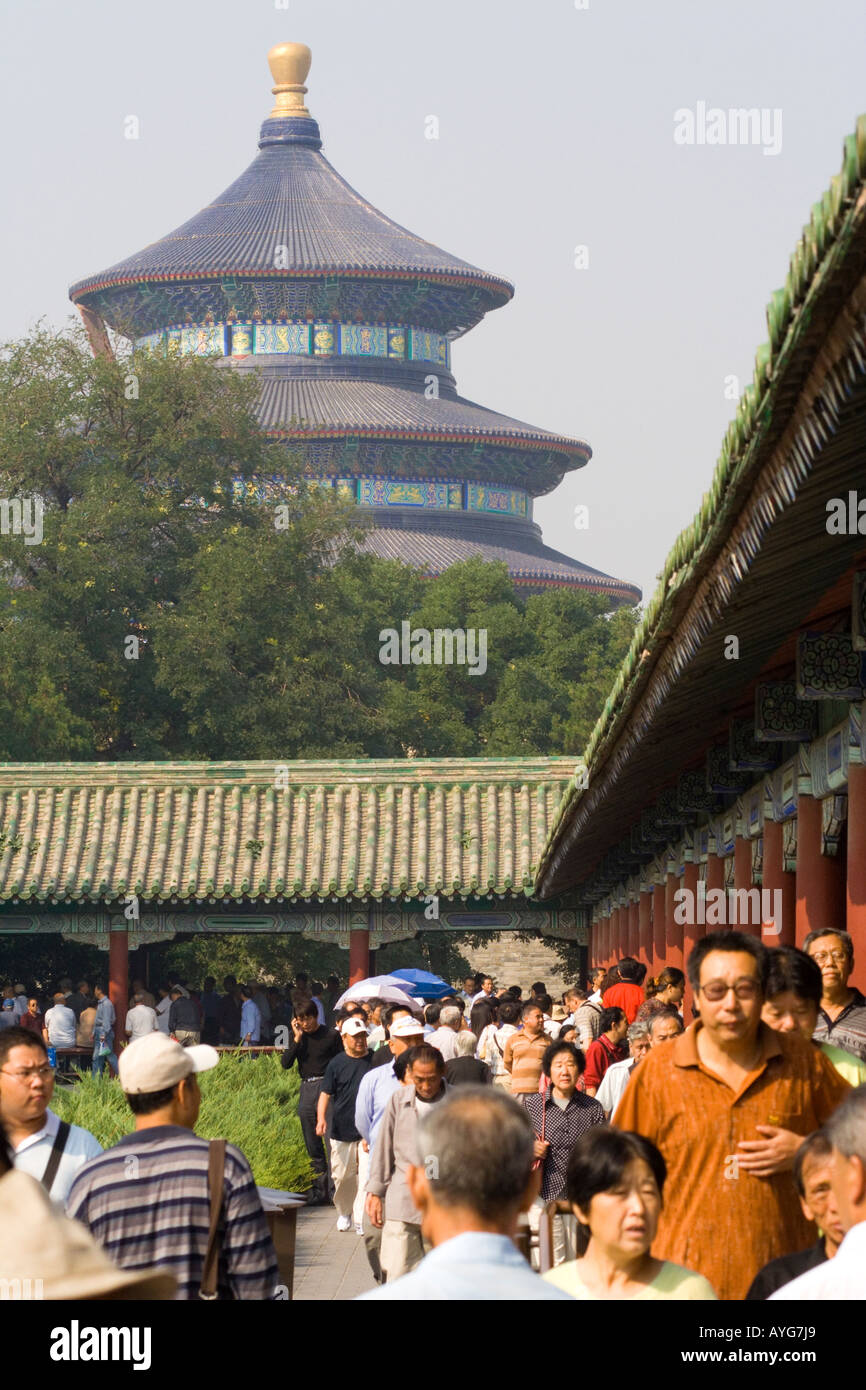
(84,1030)
(524,1051)
(728,1103)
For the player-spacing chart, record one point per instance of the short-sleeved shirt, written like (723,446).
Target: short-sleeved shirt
(343,1076)
(33,1153)
(719,1219)
(60,1022)
(146,1201)
(625,996)
(523,1057)
(140,1022)
(671,1282)
(848,1029)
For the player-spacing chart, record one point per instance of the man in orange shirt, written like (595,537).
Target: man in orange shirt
(524,1051)
(723,1103)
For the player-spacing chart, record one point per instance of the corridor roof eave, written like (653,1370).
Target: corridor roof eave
(269,831)
(712,578)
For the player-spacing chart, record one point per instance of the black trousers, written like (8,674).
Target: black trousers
(314,1144)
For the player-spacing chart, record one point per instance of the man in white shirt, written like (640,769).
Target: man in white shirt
(59,1030)
(40,1146)
(843,1277)
(485,992)
(444,1038)
(595,978)
(140,1020)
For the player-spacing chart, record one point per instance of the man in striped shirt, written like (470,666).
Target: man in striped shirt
(147,1201)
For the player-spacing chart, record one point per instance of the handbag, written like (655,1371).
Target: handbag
(539,1162)
(215,1171)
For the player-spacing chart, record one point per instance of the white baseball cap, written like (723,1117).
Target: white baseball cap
(354,1024)
(406,1027)
(156,1063)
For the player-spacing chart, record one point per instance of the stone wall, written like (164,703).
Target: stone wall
(513,962)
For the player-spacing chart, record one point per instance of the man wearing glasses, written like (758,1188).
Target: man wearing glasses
(41,1145)
(724,1102)
(842,1015)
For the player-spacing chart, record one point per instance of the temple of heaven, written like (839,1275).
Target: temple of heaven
(348,318)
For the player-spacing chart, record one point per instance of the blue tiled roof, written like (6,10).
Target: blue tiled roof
(317,404)
(290,196)
(531,563)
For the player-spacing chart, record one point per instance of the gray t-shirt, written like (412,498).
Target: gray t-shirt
(60,1022)
(140,1022)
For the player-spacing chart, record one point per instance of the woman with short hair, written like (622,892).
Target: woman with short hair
(614,1183)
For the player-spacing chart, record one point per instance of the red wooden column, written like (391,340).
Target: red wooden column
(692,931)
(673,930)
(359,954)
(645,931)
(820,890)
(715,877)
(855,905)
(659,944)
(777,880)
(613,951)
(598,941)
(634,929)
(118,980)
(743,880)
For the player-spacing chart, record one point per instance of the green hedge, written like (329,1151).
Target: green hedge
(249,1102)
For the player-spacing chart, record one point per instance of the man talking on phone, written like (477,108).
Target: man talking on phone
(312,1046)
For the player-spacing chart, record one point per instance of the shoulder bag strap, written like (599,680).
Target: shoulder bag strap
(215,1172)
(55,1156)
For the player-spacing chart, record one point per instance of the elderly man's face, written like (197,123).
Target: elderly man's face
(639,1047)
(819,1201)
(832,959)
(355,1044)
(664,1030)
(427,1079)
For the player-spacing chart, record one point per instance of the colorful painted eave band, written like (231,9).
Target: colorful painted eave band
(95,285)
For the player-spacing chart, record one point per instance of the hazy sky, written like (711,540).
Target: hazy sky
(556,130)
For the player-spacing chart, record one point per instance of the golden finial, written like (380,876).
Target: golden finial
(289,64)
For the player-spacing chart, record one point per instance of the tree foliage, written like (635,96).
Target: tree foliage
(172,611)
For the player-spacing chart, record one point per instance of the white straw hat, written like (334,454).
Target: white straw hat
(46,1255)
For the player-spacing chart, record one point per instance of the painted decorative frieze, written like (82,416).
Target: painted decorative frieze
(720,776)
(829,667)
(692,794)
(746,753)
(789,844)
(834,813)
(780,717)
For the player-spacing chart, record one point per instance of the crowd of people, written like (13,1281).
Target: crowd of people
(654,1156)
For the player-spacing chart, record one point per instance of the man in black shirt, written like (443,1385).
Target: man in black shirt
(312,1047)
(184,1022)
(812,1174)
(343,1076)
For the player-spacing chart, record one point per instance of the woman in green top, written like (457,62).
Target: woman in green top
(614,1184)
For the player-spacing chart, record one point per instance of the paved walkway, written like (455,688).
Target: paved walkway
(329,1264)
